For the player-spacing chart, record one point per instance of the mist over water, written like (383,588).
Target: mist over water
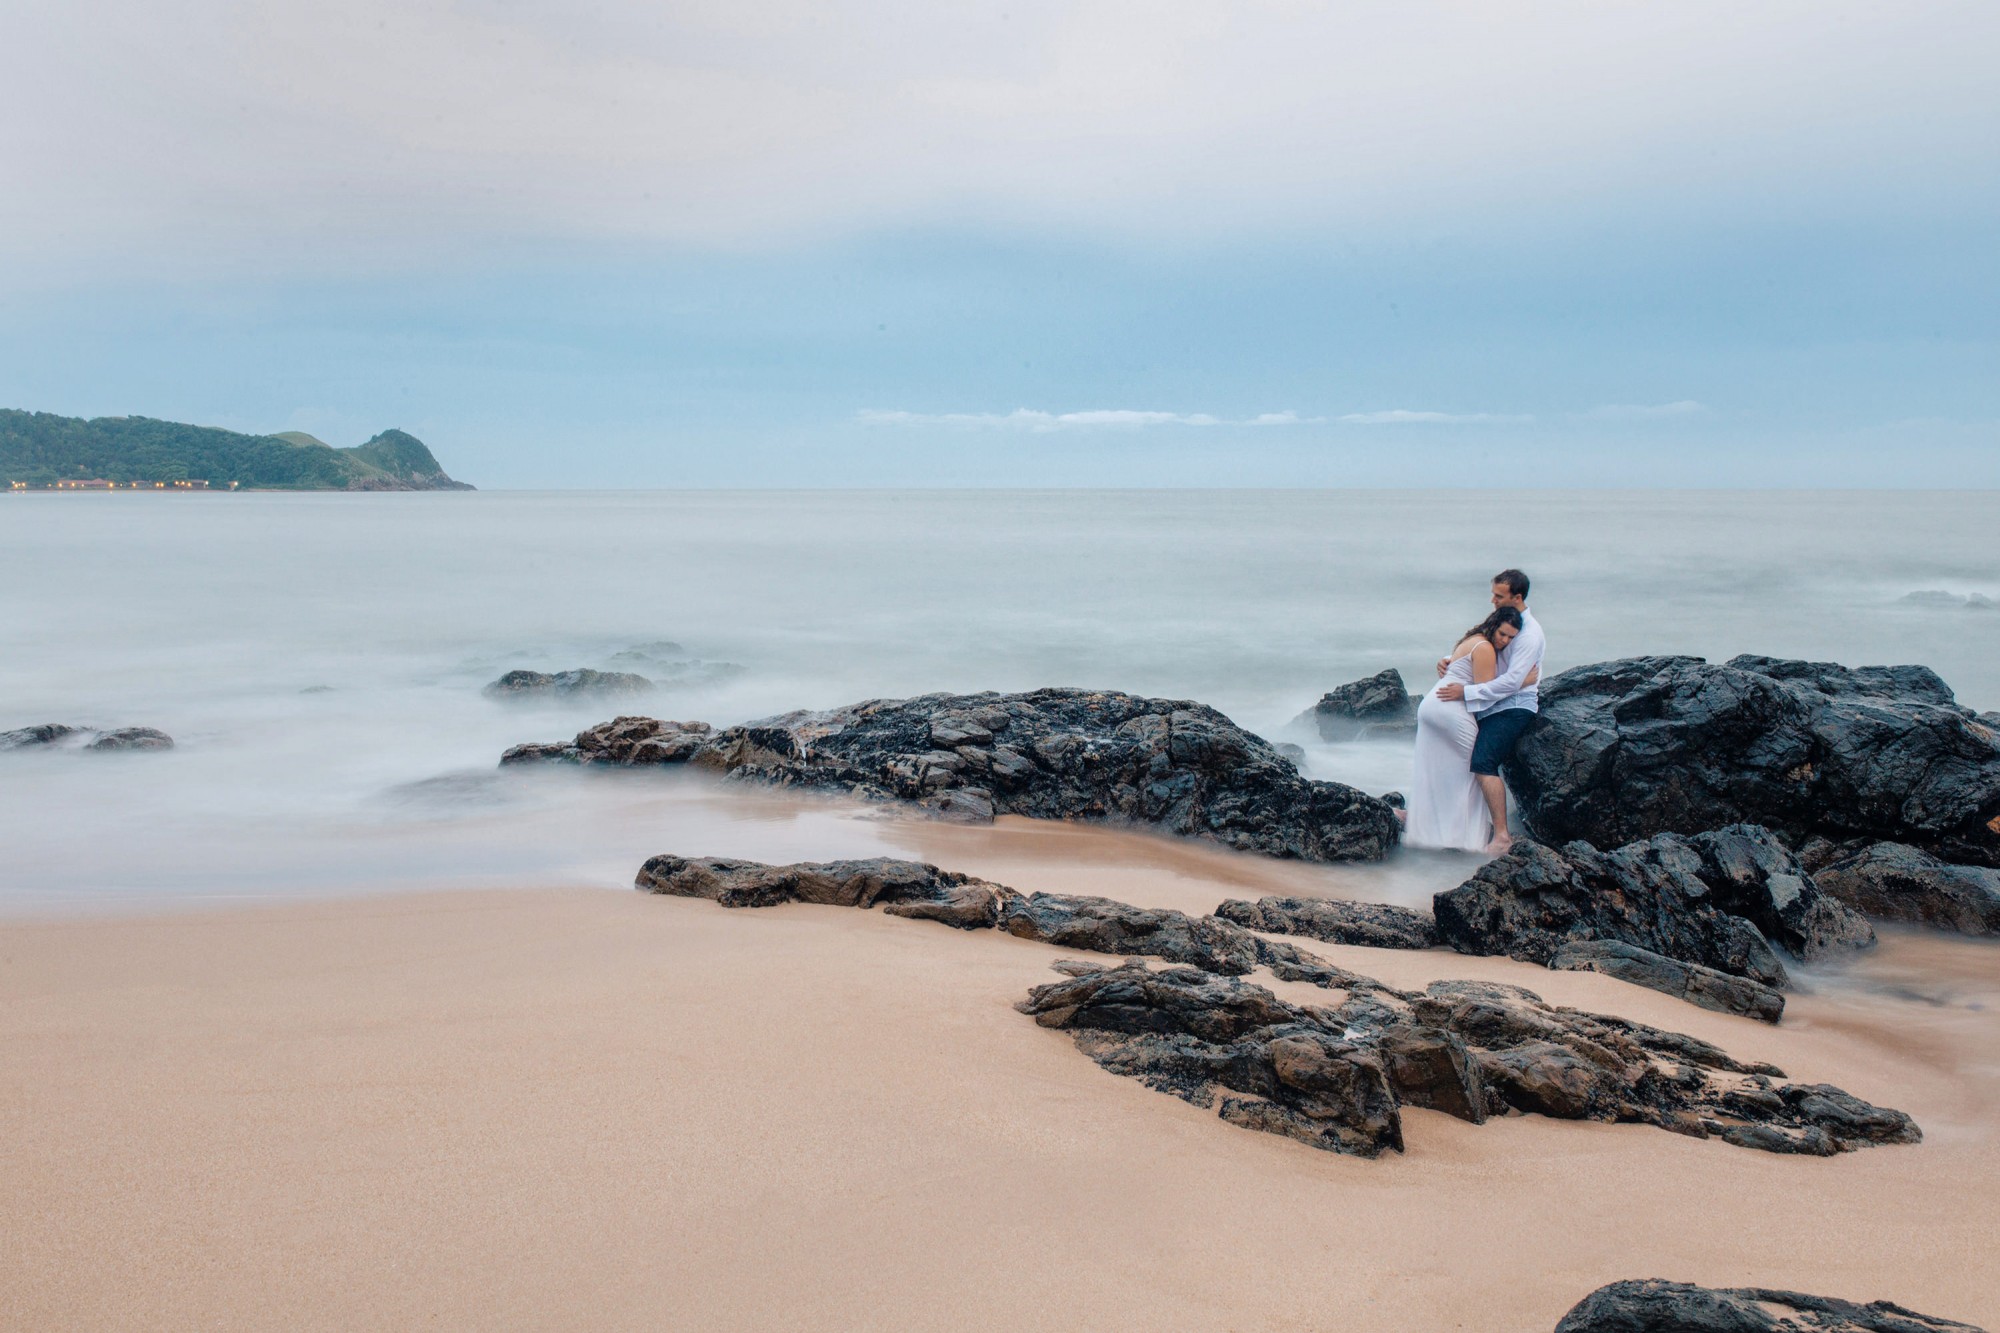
(319,658)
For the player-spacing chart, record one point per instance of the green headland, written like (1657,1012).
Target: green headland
(41,450)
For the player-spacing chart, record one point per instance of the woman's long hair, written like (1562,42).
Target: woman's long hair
(1487,628)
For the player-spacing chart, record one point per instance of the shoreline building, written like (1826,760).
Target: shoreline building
(100,484)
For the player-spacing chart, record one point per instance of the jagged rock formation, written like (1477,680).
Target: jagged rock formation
(85,738)
(1692,982)
(1379,706)
(1708,900)
(1166,764)
(580,682)
(1334,1077)
(628,741)
(1624,750)
(1650,1305)
(1336,921)
(904,888)
(1898,883)
(1691,917)
(1192,1033)
(1103,925)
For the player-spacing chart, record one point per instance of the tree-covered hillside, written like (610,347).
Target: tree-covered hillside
(40,448)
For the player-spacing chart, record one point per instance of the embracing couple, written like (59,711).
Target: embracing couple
(1466,726)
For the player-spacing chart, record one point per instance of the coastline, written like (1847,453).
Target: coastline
(505,1107)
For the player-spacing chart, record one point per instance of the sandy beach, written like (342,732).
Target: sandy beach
(587,1107)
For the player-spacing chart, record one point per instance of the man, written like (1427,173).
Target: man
(1505,705)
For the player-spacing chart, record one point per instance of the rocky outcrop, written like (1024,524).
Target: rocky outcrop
(1650,1305)
(628,741)
(1335,1077)
(580,683)
(1692,982)
(1336,921)
(85,738)
(1196,1035)
(903,888)
(1624,750)
(1103,925)
(26,738)
(130,738)
(1378,707)
(1706,900)
(1171,765)
(1898,883)
(1751,873)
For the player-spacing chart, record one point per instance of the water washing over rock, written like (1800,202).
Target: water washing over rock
(1171,765)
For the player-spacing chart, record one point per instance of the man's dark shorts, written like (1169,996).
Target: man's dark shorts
(1497,734)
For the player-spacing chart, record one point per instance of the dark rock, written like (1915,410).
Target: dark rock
(1288,962)
(1897,883)
(1574,1064)
(1171,765)
(1651,1305)
(1624,750)
(1535,899)
(1693,906)
(47,733)
(55,733)
(1435,1069)
(1334,1077)
(623,740)
(579,683)
(1336,921)
(1378,706)
(1102,925)
(131,738)
(904,888)
(1750,873)
(1193,1034)
(1689,981)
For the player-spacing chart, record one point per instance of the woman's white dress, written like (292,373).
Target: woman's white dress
(1444,806)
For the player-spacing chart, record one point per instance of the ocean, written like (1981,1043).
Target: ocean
(319,658)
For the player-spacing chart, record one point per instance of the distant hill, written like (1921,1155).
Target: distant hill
(40,448)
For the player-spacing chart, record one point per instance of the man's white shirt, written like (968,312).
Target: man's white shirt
(1516,660)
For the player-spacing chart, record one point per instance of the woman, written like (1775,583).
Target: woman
(1446,808)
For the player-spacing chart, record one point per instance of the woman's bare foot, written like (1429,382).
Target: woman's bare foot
(1502,843)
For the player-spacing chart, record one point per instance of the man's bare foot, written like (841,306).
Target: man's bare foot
(1502,843)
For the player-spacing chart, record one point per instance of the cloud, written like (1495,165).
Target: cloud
(1039,422)
(408,127)
(1404,417)
(1644,412)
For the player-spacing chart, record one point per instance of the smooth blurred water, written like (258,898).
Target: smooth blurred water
(212,616)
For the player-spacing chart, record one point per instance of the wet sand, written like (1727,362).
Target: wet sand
(593,1108)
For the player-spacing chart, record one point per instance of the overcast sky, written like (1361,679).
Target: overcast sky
(606,243)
